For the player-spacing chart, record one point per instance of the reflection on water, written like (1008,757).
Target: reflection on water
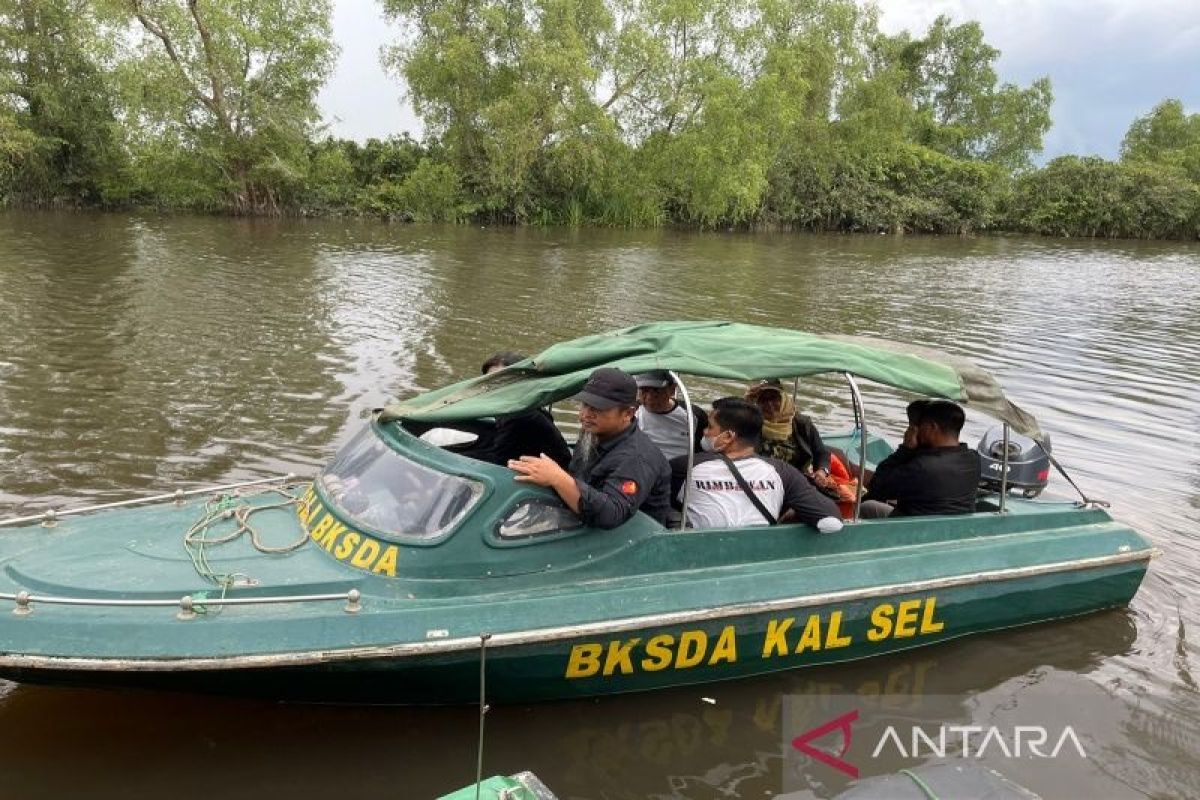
(142,354)
(673,744)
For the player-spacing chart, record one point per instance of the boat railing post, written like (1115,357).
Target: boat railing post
(1004,471)
(857,418)
(860,423)
(187,608)
(483,708)
(691,454)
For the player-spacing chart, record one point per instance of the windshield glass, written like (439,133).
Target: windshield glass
(380,490)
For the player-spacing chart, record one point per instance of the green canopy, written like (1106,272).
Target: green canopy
(715,350)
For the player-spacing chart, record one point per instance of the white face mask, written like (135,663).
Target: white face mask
(709,444)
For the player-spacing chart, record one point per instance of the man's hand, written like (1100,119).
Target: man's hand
(545,471)
(541,470)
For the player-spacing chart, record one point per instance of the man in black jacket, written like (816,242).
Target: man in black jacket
(931,472)
(530,433)
(616,470)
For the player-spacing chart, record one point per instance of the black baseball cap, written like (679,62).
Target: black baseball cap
(656,379)
(609,387)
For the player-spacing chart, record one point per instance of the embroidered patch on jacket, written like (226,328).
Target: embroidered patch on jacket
(628,487)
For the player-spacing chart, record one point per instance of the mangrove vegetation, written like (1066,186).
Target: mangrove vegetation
(792,114)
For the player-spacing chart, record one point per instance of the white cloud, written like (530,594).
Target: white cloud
(1108,60)
(1055,29)
(361,100)
(1184,43)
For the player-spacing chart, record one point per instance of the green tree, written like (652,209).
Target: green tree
(962,109)
(500,83)
(17,145)
(229,87)
(1073,196)
(55,87)
(1166,136)
(392,159)
(330,185)
(774,71)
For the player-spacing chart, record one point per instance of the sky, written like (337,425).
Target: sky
(1109,61)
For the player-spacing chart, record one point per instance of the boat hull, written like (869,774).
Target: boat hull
(634,654)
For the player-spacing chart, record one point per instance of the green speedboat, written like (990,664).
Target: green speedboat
(404,564)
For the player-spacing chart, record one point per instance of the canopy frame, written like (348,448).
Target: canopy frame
(721,350)
(729,351)
(860,424)
(691,450)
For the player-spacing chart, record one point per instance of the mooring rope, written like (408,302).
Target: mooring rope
(922,785)
(220,508)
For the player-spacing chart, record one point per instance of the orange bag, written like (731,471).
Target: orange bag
(845,484)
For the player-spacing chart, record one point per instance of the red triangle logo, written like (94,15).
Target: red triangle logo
(842,724)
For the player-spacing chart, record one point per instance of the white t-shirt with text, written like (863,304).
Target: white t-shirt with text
(716,500)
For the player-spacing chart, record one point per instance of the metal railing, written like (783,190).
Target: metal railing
(860,422)
(49,517)
(691,450)
(187,604)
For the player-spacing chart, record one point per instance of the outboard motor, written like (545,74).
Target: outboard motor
(1028,463)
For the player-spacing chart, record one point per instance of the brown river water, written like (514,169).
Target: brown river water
(139,355)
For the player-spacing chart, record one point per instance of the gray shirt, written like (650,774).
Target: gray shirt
(669,431)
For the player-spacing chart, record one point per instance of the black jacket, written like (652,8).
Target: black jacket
(928,480)
(626,474)
(802,449)
(528,434)
(810,450)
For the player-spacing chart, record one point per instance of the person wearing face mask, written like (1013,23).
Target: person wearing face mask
(931,472)
(731,486)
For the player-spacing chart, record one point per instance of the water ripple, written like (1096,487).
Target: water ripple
(142,354)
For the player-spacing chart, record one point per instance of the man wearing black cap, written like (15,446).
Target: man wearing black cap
(664,419)
(616,470)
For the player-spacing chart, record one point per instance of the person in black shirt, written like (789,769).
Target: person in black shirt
(616,470)
(931,472)
(527,434)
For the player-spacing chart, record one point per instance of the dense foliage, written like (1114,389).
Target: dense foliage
(796,114)
(1152,192)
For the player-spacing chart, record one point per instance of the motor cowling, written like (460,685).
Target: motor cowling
(1028,462)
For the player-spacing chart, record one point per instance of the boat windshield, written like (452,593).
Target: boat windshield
(380,490)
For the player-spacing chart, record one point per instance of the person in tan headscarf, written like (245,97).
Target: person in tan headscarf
(792,437)
(787,434)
